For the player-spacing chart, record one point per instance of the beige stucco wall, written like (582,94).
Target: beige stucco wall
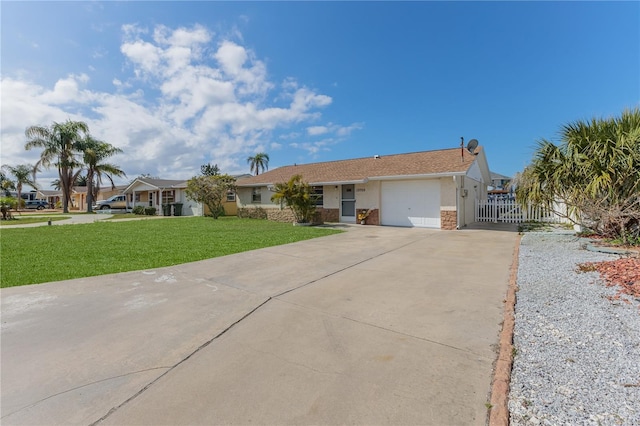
(331,196)
(244,198)
(467,204)
(367,195)
(447,194)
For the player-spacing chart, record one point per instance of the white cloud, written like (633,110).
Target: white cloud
(208,103)
(332,134)
(231,57)
(317,130)
(341,131)
(346,131)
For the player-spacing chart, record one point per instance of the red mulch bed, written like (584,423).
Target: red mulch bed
(623,273)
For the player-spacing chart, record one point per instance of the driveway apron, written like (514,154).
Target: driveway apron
(377,325)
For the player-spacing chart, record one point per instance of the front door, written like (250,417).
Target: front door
(348,204)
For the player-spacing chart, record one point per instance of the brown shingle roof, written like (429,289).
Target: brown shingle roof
(416,163)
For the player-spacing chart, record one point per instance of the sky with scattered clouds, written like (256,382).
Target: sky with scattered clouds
(179,84)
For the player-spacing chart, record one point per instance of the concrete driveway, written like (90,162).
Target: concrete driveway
(377,325)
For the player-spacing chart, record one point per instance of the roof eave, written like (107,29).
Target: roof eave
(336,182)
(418,176)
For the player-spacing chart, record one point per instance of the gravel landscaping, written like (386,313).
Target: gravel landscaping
(577,347)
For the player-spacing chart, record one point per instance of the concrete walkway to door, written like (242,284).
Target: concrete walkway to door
(377,325)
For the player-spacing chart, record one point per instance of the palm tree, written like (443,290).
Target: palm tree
(24,174)
(81,180)
(94,153)
(594,171)
(60,143)
(297,195)
(258,162)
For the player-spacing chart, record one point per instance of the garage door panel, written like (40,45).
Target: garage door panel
(411,203)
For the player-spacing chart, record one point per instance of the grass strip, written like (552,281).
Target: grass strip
(53,253)
(23,220)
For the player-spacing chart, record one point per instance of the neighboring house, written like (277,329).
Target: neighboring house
(78,198)
(108,192)
(149,192)
(53,197)
(230,205)
(433,189)
(501,187)
(26,195)
(500,182)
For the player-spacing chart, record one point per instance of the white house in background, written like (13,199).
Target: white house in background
(434,189)
(149,192)
(500,182)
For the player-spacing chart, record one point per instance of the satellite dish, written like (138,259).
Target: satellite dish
(472,145)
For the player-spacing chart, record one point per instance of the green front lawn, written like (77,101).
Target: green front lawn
(54,253)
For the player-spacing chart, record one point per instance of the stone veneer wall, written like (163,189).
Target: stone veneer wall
(373,218)
(448,220)
(286,215)
(329,215)
(277,215)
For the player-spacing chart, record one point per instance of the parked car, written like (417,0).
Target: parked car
(36,204)
(115,202)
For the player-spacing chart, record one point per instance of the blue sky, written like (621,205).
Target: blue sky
(180,84)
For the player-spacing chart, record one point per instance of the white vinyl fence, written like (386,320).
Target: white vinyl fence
(508,211)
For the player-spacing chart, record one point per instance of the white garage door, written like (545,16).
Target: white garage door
(411,203)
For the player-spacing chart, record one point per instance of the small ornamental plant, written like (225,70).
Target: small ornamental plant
(363,215)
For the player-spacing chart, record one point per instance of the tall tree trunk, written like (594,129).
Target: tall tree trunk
(89,192)
(19,191)
(66,190)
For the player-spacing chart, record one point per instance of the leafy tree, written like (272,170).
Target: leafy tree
(24,174)
(211,191)
(210,170)
(6,204)
(297,195)
(6,184)
(594,171)
(259,162)
(94,154)
(60,148)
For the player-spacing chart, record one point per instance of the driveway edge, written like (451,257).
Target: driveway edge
(499,408)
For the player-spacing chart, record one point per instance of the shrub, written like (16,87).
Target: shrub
(150,211)
(252,213)
(6,204)
(139,210)
(219,212)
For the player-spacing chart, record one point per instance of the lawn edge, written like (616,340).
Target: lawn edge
(499,412)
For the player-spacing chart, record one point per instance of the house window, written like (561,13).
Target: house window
(168,197)
(317,192)
(231,196)
(256,195)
